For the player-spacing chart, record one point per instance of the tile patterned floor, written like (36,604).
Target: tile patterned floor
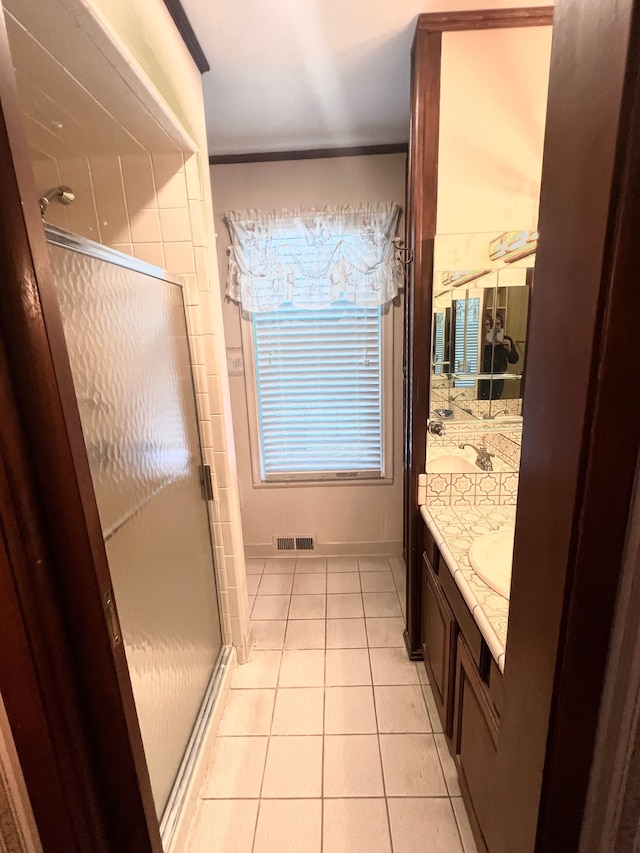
(329,740)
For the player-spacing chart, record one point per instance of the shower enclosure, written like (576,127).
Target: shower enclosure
(125,329)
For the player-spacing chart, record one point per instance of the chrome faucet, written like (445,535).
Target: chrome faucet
(483,460)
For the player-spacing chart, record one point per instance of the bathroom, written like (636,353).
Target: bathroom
(137,165)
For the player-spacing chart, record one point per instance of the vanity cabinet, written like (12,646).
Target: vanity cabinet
(439,634)
(475,740)
(466,684)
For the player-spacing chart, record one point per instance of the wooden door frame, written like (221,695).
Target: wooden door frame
(64,682)
(581,432)
(421,220)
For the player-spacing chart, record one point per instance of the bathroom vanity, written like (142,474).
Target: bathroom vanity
(463,632)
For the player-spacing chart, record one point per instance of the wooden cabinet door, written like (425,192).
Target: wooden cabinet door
(439,630)
(475,740)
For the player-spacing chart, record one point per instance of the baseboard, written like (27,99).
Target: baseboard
(181,808)
(328,549)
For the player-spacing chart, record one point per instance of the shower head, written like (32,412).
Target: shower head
(63,194)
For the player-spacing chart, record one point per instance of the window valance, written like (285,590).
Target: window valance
(314,257)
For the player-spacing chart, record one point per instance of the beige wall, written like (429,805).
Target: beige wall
(492,114)
(337,515)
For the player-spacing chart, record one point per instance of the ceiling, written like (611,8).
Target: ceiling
(297,74)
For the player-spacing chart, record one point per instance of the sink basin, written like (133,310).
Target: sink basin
(491,557)
(451,465)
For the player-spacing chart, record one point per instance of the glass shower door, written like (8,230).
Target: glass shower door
(126,335)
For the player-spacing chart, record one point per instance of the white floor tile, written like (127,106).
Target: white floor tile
(385,632)
(352,766)
(346,634)
(347,667)
(261,671)
(280,565)
(305,634)
(393,667)
(377,582)
(415,820)
(349,711)
(448,765)
(236,768)
(374,564)
(302,668)
(253,582)
(468,841)
(342,564)
(308,607)
(352,723)
(434,716)
(289,826)
(309,584)
(268,634)
(298,711)
(311,564)
(343,582)
(247,712)
(356,826)
(401,710)
(411,766)
(254,565)
(270,607)
(223,826)
(381,604)
(293,767)
(275,585)
(344,606)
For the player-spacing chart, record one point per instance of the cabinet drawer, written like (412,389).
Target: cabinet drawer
(461,612)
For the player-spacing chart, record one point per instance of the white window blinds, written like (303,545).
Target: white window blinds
(319,389)
(467,313)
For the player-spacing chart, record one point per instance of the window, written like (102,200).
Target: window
(319,392)
(315,288)
(467,329)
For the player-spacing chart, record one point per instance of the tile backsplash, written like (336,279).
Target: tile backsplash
(498,487)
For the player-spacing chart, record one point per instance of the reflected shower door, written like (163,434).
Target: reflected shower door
(127,341)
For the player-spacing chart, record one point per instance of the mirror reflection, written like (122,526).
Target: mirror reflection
(478,359)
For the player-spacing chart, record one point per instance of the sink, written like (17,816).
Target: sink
(451,465)
(491,556)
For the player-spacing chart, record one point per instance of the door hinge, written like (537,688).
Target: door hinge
(113,623)
(206,482)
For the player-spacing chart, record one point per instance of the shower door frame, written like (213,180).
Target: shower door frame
(64,680)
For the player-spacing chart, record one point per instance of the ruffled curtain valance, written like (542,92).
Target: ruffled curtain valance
(313,257)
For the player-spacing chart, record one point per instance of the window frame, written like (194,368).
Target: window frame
(324,478)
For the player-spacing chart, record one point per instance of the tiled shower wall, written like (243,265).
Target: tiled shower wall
(154,207)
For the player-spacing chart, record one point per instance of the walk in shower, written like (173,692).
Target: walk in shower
(124,324)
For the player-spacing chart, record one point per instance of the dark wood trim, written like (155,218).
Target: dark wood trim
(308,154)
(185,29)
(485,19)
(578,457)
(422,190)
(74,719)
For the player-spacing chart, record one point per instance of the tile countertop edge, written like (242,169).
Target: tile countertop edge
(496,648)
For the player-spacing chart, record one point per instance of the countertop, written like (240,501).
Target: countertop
(454,529)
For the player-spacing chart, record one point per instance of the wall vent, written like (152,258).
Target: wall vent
(295,543)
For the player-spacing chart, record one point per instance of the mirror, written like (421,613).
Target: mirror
(480,316)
